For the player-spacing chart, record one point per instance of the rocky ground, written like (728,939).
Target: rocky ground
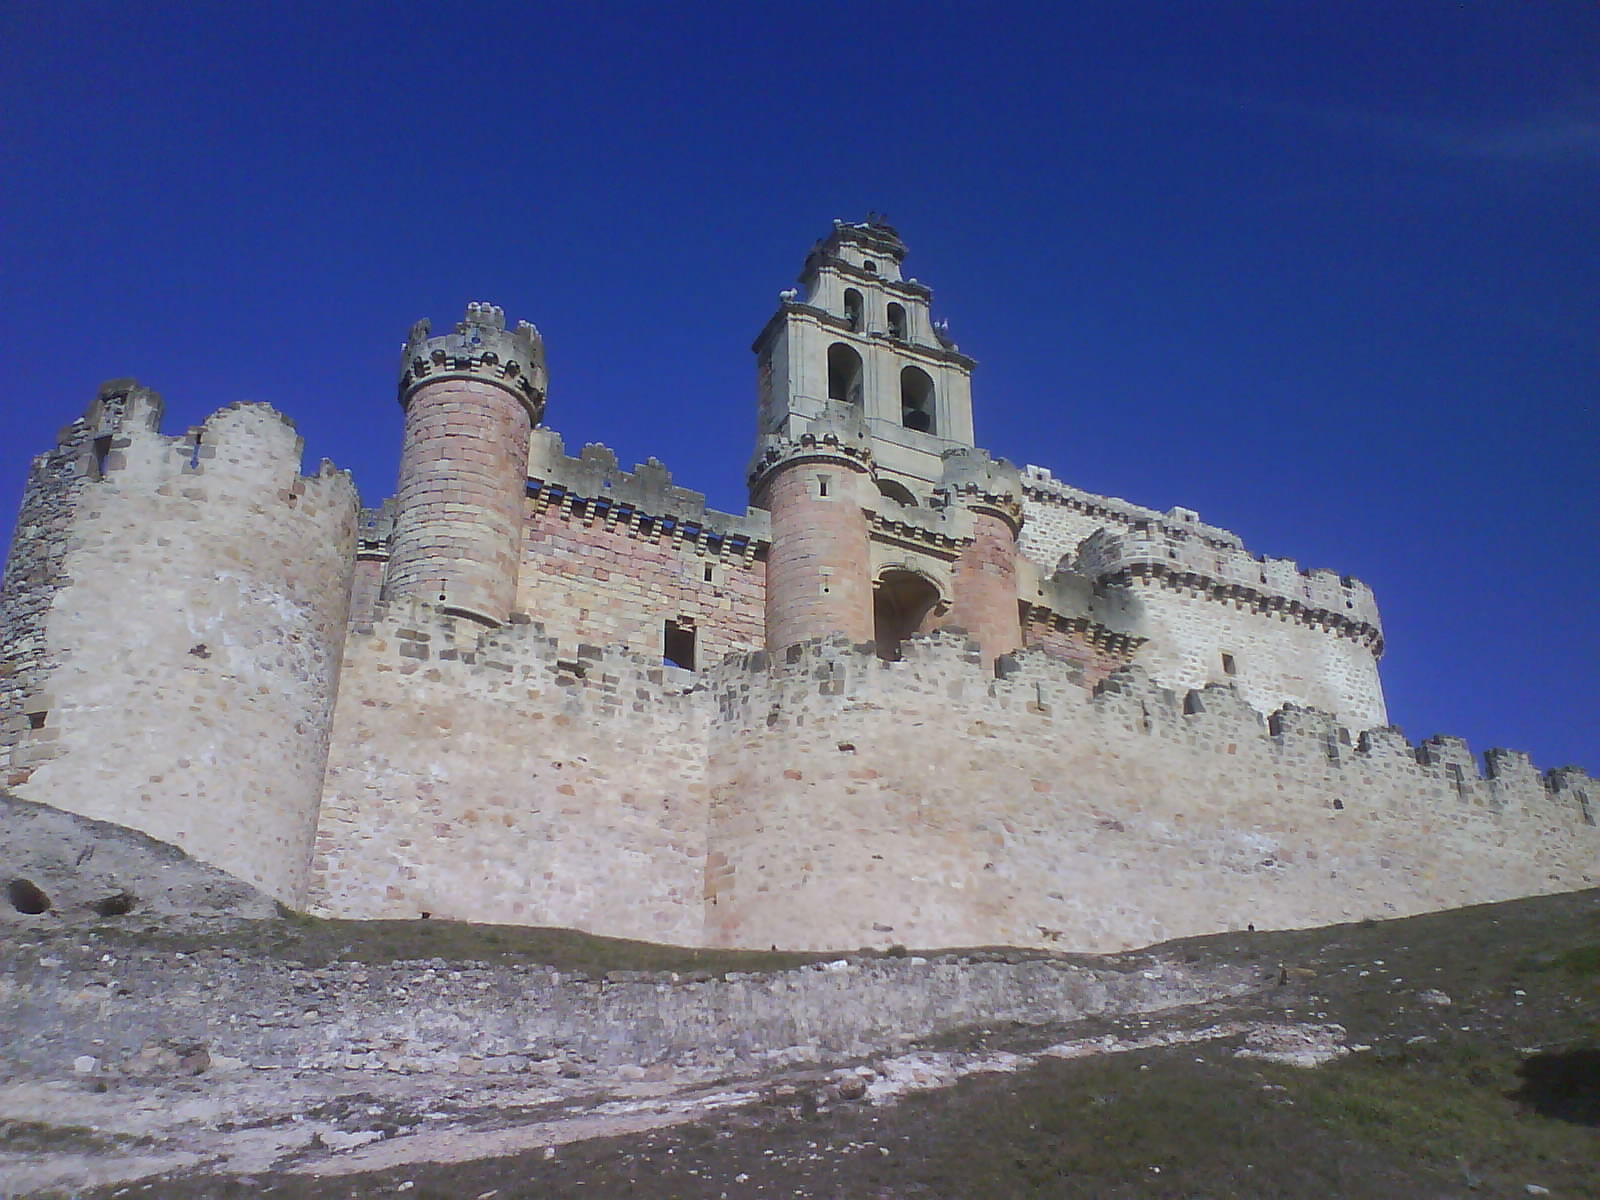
(1456,1054)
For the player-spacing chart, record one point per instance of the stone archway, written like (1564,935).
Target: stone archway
(901,602)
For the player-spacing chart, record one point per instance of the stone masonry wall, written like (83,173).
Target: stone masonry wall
(34,572)
(1271,654)
(490,777)
(511,1018)
(986,587)
(588,578)
(1041,631)
(819,572)
(458,504)
(194,644)
(823,799)
(926,802)
(610,556)
(1295,636)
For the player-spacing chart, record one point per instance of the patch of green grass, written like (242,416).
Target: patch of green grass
(317,941)
(1451,1104)
(1580,960)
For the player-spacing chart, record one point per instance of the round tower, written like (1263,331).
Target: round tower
(985,600)
(819,566)
(471,398)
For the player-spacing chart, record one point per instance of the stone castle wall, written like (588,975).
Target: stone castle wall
(610,556)
(926,802)
(821,798)
(505,777)
(1267,653)
(1309,637)
(193,630)
(36,570)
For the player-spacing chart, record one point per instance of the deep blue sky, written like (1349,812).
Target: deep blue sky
(1326,272)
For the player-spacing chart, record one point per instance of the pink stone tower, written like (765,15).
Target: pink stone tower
(471,398)
(819,566)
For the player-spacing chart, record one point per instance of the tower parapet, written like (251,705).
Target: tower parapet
(479,348)
(974,480)
(471,399)
(197,589)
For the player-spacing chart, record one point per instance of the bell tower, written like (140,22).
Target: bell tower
(857,333)
(887,520)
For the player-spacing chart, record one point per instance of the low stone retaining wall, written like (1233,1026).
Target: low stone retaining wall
(66,998)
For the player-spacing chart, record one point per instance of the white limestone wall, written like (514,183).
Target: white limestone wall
(196,640)
(1276,657)
(1051,532)
(1293,636)
(486,777)
(927,803)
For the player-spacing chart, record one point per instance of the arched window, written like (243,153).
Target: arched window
(897,322)
(844,374)
(852,309)
(916,400)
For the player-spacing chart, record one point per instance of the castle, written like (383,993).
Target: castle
(913,694)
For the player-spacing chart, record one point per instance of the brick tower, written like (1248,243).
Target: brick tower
(471,398)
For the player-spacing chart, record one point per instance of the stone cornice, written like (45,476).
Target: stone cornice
(713,533)
(902,287)
(995,504)
(886,528)
(829,447)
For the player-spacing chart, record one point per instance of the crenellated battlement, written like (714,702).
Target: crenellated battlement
(518,660)
(1041,486)
(180,586)
(947,665)
(1326,599)
(1178,541)
(983,484)
(594,485)
(479,348)
(838,434)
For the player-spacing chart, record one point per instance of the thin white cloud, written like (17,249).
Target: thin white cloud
(1553,139)
(1561,136)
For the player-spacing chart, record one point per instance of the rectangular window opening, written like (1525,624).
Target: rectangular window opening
(102,451)
(710,573)
(36,720)
(1229,667)
(677,643)
(822,485)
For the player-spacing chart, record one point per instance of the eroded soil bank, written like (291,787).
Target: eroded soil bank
(220,1057)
